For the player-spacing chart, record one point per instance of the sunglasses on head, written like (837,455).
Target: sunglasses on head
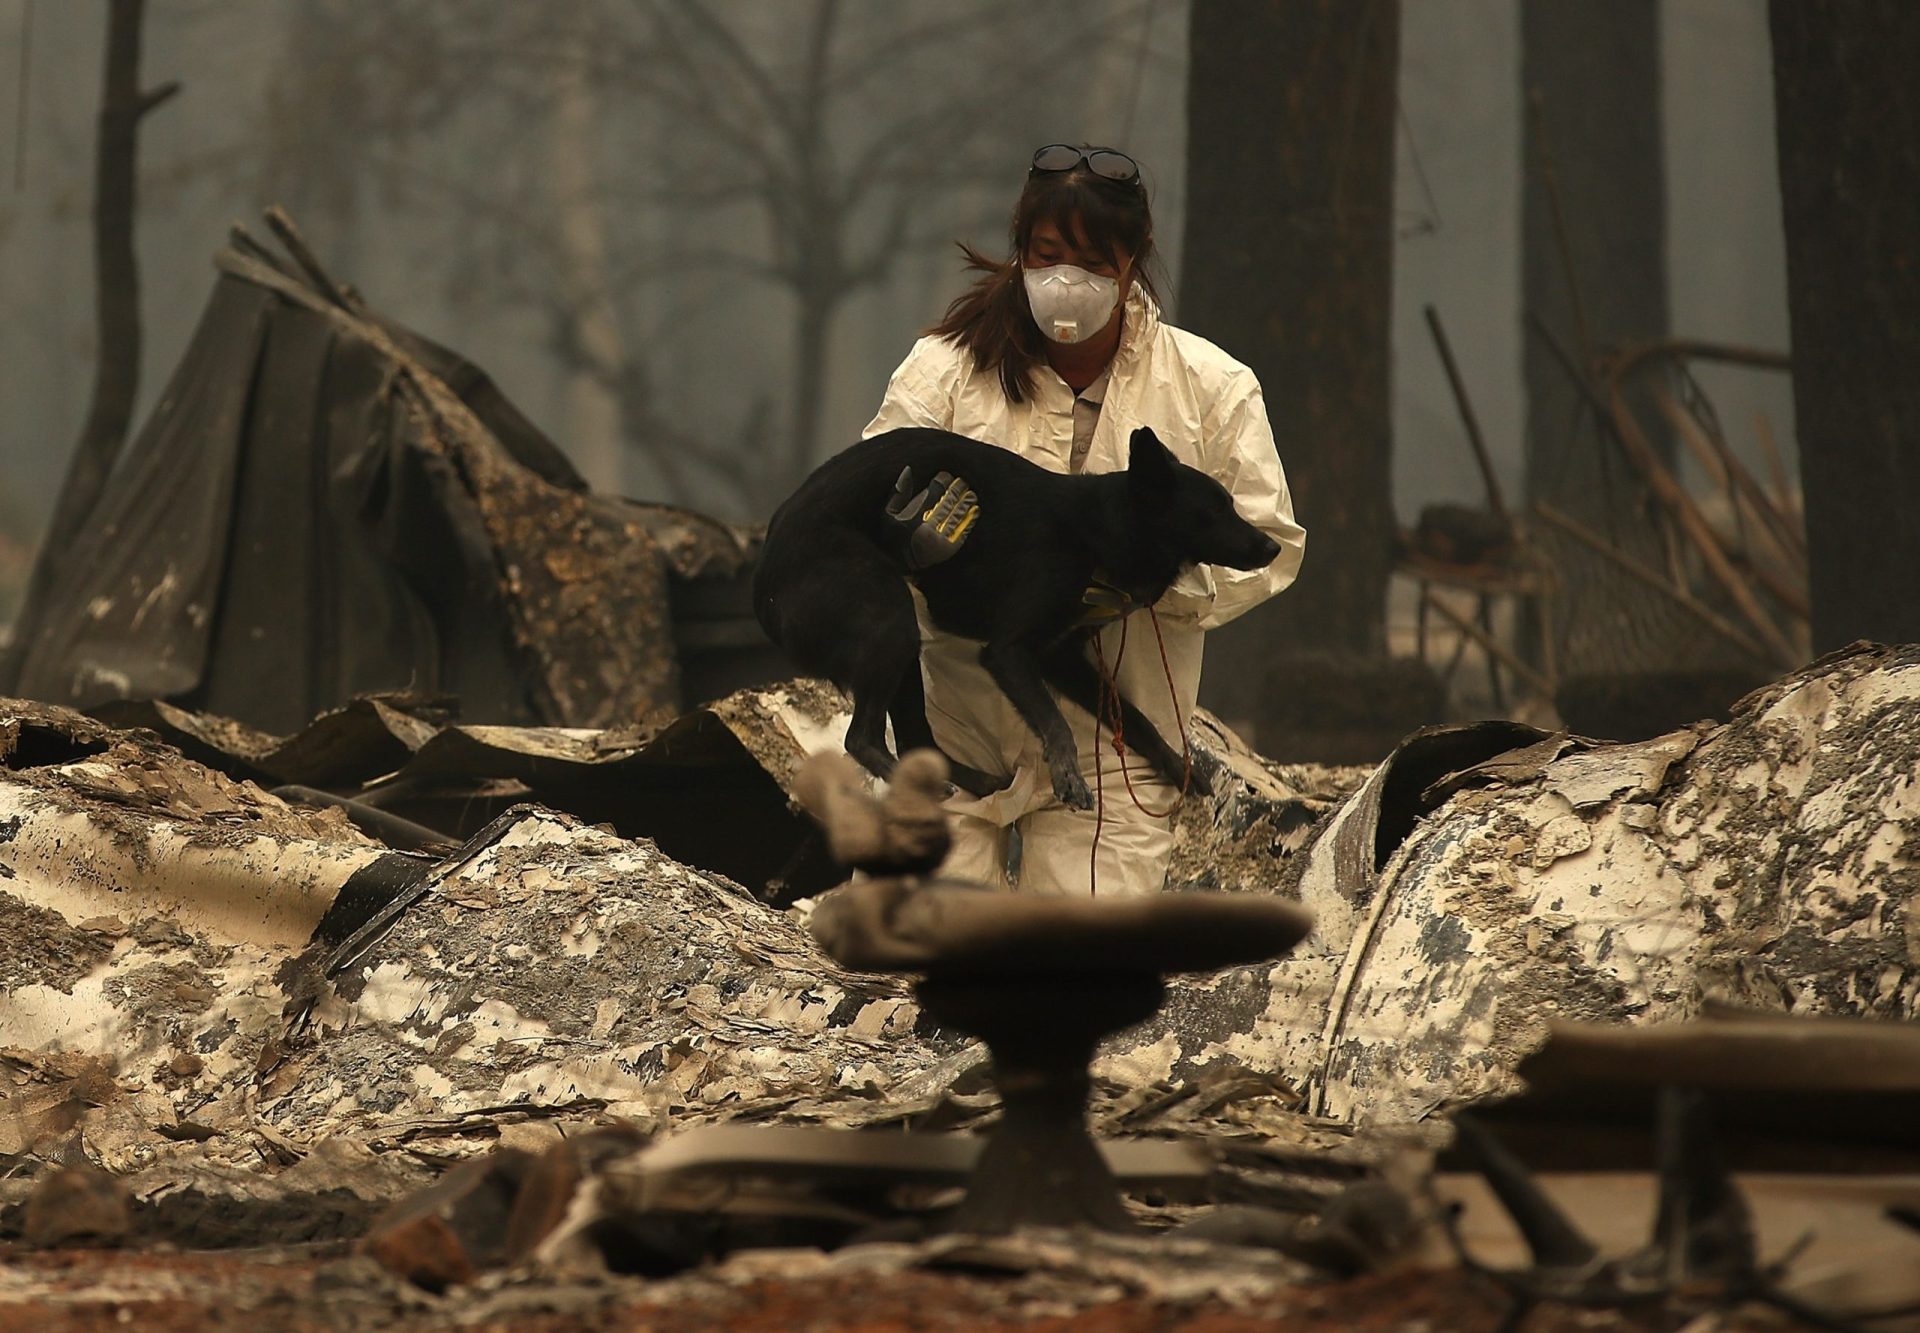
(1106,163)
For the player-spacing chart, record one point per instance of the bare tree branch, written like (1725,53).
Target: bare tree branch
(884,58)
(727,43)
(746,118)
(701,101)
(882,256)
(666,263)
(934,128)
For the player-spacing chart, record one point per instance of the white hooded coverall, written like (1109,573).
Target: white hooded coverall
(1205,407)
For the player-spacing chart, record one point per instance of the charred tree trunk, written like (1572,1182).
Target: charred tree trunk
(1594,202)
(116,371)
(1847,110)
(1289,266)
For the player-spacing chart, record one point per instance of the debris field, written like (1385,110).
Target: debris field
(551,1066)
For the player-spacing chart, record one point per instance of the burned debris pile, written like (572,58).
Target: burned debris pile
(1488,879)
(261,1019)
(405,769)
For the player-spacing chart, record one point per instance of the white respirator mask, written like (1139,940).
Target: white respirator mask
(1070,304)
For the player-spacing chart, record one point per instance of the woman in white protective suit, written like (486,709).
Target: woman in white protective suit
(1058,353)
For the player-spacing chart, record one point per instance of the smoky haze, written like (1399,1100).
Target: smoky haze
(692,241)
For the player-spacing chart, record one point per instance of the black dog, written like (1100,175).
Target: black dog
(831,584)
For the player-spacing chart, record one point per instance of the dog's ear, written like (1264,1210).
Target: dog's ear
(1147,457)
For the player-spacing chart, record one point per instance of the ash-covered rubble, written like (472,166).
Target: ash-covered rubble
(1489,879)
(300,986)
(548,974)
(691,784)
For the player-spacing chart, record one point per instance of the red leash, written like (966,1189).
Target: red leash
(1116,723)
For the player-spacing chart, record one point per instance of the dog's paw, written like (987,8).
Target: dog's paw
(973,782)
(1073,791)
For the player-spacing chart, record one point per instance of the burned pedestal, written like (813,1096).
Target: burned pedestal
(1041,981)
(1040,1167)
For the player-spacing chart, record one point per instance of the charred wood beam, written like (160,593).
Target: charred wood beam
(1495,500)
(303,255)
(394,830)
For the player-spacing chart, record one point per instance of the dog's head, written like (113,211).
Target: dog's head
(1189,513)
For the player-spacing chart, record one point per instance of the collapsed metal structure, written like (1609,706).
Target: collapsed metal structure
(325,504)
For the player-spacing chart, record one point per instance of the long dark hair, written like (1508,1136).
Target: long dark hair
(992,320)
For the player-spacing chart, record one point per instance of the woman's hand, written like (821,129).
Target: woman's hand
(1103,603)
(937,517)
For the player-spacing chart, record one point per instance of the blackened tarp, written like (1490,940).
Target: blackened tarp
(323,505)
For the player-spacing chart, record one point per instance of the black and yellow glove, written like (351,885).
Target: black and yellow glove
(938,516)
